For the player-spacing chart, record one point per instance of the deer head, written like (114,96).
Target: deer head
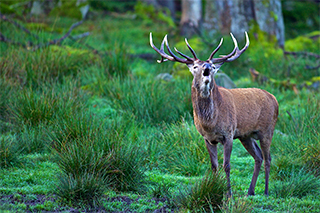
(203,71)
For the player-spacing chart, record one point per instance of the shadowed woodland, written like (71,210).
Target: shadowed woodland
(90,122)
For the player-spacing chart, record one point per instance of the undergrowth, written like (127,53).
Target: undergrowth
(205,195)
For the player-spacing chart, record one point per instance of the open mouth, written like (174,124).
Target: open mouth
(206,72)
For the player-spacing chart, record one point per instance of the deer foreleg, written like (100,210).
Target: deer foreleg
(212,149)
(227,146)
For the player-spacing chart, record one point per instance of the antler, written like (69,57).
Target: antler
(233,55)
(172,56)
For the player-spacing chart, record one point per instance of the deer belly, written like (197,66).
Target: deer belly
(251,134)
(214,138)
(213,135)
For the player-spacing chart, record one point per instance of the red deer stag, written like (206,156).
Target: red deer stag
(221,115)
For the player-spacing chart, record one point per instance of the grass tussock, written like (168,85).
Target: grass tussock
(300,136)
(297,184)
(84,190)
(205,195)
(33,107)
(85,145)
(185,152)
(232,205)
(33,140)
(151,101)
(9,152)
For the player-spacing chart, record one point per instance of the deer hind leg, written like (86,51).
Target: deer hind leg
(254,150)
(265,147)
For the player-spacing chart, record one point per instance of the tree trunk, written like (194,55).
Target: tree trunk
(269,18)
(191,16)
(237,16)
(170,4)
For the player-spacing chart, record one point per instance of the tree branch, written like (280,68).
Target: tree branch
(302,53)
(5,18)
(4,39)
(305,54)
(59,40)
(77,37)
(52,42)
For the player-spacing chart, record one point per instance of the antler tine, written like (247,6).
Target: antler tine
(191,50)
(161,51)
(235,53)
(183,55)
(225,58)
(216,50)
(239,52)
(182,60)
(165,56)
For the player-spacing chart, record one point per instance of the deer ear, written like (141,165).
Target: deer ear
(217,67)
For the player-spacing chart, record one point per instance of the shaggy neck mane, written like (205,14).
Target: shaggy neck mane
(206,108)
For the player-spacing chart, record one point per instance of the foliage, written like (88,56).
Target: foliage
(297,184)
(13,7)
(149,101)
(304,43)
(45,65)
(113,6)
(32,107)
(86,189)
(300,17)
(182,149)
(232,205)
(127,169)
(149,14)
(205,195)
(301,141)
(33,139)
(9,152)
(161,190)
(312,157)
(268,59)
(88,142)
(68,9)
(84,172)
(5,93)
(116,61)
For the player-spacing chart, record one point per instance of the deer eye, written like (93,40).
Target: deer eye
(195,67)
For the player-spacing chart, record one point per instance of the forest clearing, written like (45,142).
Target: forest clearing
(90,122)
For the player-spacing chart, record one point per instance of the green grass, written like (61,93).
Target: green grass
(9,151)
(297,184)
(99,131)
(146,100)
(205,195)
